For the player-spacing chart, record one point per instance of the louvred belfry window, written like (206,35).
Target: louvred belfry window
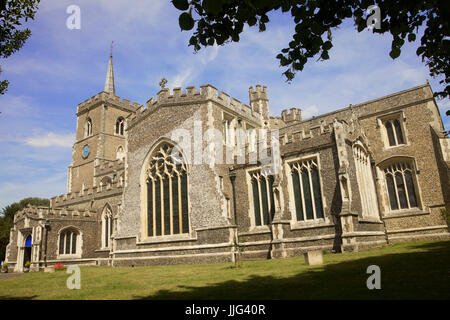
(307,193)
(167,193)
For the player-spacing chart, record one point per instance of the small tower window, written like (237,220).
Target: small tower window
(88,128)
(120,125)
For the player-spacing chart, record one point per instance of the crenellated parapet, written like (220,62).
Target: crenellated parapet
(102,167)
(291,116)
(104,97)
(113,188)
(304,130)
(48,213)
(192,95)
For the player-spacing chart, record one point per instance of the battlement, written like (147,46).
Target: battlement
(258,93)
(104,97)
(192,95)
(47,213)
(110,189)
(295,114)
(304,130)
(105,166)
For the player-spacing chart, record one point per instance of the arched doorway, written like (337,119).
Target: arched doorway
(27,250)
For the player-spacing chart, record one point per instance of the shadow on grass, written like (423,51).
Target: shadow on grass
(17,298)
(412,275)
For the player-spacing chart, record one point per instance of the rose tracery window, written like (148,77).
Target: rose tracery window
(167,193)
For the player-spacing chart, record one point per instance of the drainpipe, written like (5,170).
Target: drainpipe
(232,175)
(375,178)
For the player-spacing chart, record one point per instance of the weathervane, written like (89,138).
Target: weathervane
(112,42)
(163,83)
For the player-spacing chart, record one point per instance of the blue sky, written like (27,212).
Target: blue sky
(59,68)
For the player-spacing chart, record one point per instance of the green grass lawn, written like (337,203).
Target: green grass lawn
(414,270)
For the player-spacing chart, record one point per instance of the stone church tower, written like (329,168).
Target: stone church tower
(100,134)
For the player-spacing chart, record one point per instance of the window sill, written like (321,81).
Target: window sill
(68,256)
(405,213)
(256,230)
(370,220)
(311,224)
(165,239)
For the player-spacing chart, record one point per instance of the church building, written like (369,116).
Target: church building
(196,176)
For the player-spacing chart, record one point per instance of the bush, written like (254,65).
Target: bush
(5,266)
(27,264)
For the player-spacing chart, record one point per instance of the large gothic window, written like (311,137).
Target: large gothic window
(306,190)
(262,194)
(400,183)
(167,193)
(366,186)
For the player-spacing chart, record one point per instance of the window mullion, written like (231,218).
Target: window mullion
(300,172)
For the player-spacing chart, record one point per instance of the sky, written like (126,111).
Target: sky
(58,68)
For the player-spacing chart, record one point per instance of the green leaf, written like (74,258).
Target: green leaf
(186,22)
(411,37)
(325,55)
(181,4)
(212,6)
(327,45)
(395,53)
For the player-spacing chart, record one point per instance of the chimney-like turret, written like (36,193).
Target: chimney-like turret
(259,101)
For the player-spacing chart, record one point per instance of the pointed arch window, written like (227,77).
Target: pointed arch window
(401,186)
(394,132)
(107,227)
(263,200)
(364,176)
(167,193)
(120,126)
(88,128)
(306,190)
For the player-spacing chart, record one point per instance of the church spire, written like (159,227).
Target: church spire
(109,83)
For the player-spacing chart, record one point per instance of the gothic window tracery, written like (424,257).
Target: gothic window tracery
(306,190)
(263,199)
(167,193)
(400,183)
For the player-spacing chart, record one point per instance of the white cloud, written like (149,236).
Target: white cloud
(310,111)
(180,79)
(51,140)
